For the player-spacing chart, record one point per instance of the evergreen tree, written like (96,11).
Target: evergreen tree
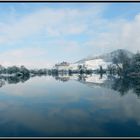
(135,66)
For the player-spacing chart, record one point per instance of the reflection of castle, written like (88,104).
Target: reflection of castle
(62,66)
(62,78)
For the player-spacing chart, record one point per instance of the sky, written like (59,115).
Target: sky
(39,35)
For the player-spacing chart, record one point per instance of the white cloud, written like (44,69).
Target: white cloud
(53,22)
(124,34)
(30,57)
(54,26)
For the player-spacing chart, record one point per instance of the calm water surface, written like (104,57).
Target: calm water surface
(64,106)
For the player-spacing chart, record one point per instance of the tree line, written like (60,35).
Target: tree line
(123,65)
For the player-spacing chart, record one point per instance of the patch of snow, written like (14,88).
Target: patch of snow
(96,79)
(96,63)
(74,77)
(73,66)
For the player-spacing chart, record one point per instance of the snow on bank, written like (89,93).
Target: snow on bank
(96,63)
(96,79)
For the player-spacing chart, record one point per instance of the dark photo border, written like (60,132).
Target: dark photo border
(69,1)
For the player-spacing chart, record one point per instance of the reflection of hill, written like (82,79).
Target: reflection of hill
(96,80)
(122,85)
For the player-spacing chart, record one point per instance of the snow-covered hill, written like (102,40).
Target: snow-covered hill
(96,63)
(108,56)
(102,60)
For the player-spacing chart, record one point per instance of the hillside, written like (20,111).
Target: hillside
(102,60)
(106,57)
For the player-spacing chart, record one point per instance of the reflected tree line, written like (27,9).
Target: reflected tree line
(123,85)
(120,84)
(12,79)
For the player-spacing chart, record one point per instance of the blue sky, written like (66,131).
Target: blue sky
(42,34)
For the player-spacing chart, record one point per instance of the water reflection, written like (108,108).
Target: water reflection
(125,84)
(62,78)
(12,79)
(121,84)
(53,108)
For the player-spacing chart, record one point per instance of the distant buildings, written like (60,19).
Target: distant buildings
(62,66)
